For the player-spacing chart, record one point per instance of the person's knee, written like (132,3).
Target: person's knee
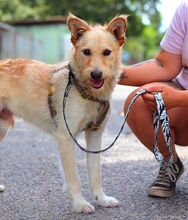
(128,100)
(134,113)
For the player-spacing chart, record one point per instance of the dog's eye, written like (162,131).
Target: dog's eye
(106,52)
(87,52)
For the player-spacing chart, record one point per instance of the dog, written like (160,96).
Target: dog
(33,91)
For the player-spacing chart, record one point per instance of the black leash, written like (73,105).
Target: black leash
(160,117)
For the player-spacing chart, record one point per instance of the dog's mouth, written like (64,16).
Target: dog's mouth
(97,84)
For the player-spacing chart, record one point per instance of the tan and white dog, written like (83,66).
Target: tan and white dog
(34,90)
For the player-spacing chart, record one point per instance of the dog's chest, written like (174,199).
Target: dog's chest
(81,113)
(92,111)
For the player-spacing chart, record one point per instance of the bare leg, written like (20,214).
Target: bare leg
(93,140)
(73,185)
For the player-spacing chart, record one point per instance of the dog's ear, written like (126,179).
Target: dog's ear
(77,27)
(117,27)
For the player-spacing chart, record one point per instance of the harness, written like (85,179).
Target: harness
(51,107)
(160,118)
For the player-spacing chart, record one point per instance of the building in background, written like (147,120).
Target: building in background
(51,39)
(14,45)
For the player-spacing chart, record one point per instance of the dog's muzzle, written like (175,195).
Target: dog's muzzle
(96,79)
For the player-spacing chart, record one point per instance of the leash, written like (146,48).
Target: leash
(160,117)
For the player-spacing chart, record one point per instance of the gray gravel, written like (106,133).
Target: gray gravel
(31,171)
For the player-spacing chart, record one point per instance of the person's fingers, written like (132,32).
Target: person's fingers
(152,88)
(151,105)
(148,97)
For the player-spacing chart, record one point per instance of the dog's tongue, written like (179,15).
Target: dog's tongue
(96,83)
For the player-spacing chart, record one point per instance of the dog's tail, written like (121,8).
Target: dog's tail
(6,122)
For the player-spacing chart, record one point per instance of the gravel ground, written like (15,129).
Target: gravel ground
(31,171)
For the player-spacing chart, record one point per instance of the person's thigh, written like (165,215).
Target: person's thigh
(140,121)
(178,118)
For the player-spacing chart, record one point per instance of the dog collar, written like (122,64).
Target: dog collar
(81,89)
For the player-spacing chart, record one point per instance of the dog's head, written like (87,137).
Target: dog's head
(96,55)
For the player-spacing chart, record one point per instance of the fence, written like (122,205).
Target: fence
(14,45)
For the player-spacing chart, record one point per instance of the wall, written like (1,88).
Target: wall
(16,45)
(55,40)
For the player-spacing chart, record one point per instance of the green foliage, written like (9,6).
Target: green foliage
(144,46)
(92,10)
(20,9)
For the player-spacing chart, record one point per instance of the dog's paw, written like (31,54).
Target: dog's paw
(2,188)
(82,206)
(107,201)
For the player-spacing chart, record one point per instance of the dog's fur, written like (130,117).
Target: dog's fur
(24,90)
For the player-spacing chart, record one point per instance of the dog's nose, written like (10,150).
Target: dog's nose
(96,75)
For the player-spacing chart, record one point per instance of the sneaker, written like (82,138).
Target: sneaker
(165,184)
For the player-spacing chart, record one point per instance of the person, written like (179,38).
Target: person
(168,73)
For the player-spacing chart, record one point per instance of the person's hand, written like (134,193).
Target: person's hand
(170,95)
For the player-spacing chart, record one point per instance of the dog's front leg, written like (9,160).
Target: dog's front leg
(72,181)
(93,140)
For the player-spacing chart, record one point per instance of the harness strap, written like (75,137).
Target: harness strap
(52,109)
(105,107)
(51,90)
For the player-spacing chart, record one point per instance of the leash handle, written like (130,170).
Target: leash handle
(160,117)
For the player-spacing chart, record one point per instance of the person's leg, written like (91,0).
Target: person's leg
(140,122)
